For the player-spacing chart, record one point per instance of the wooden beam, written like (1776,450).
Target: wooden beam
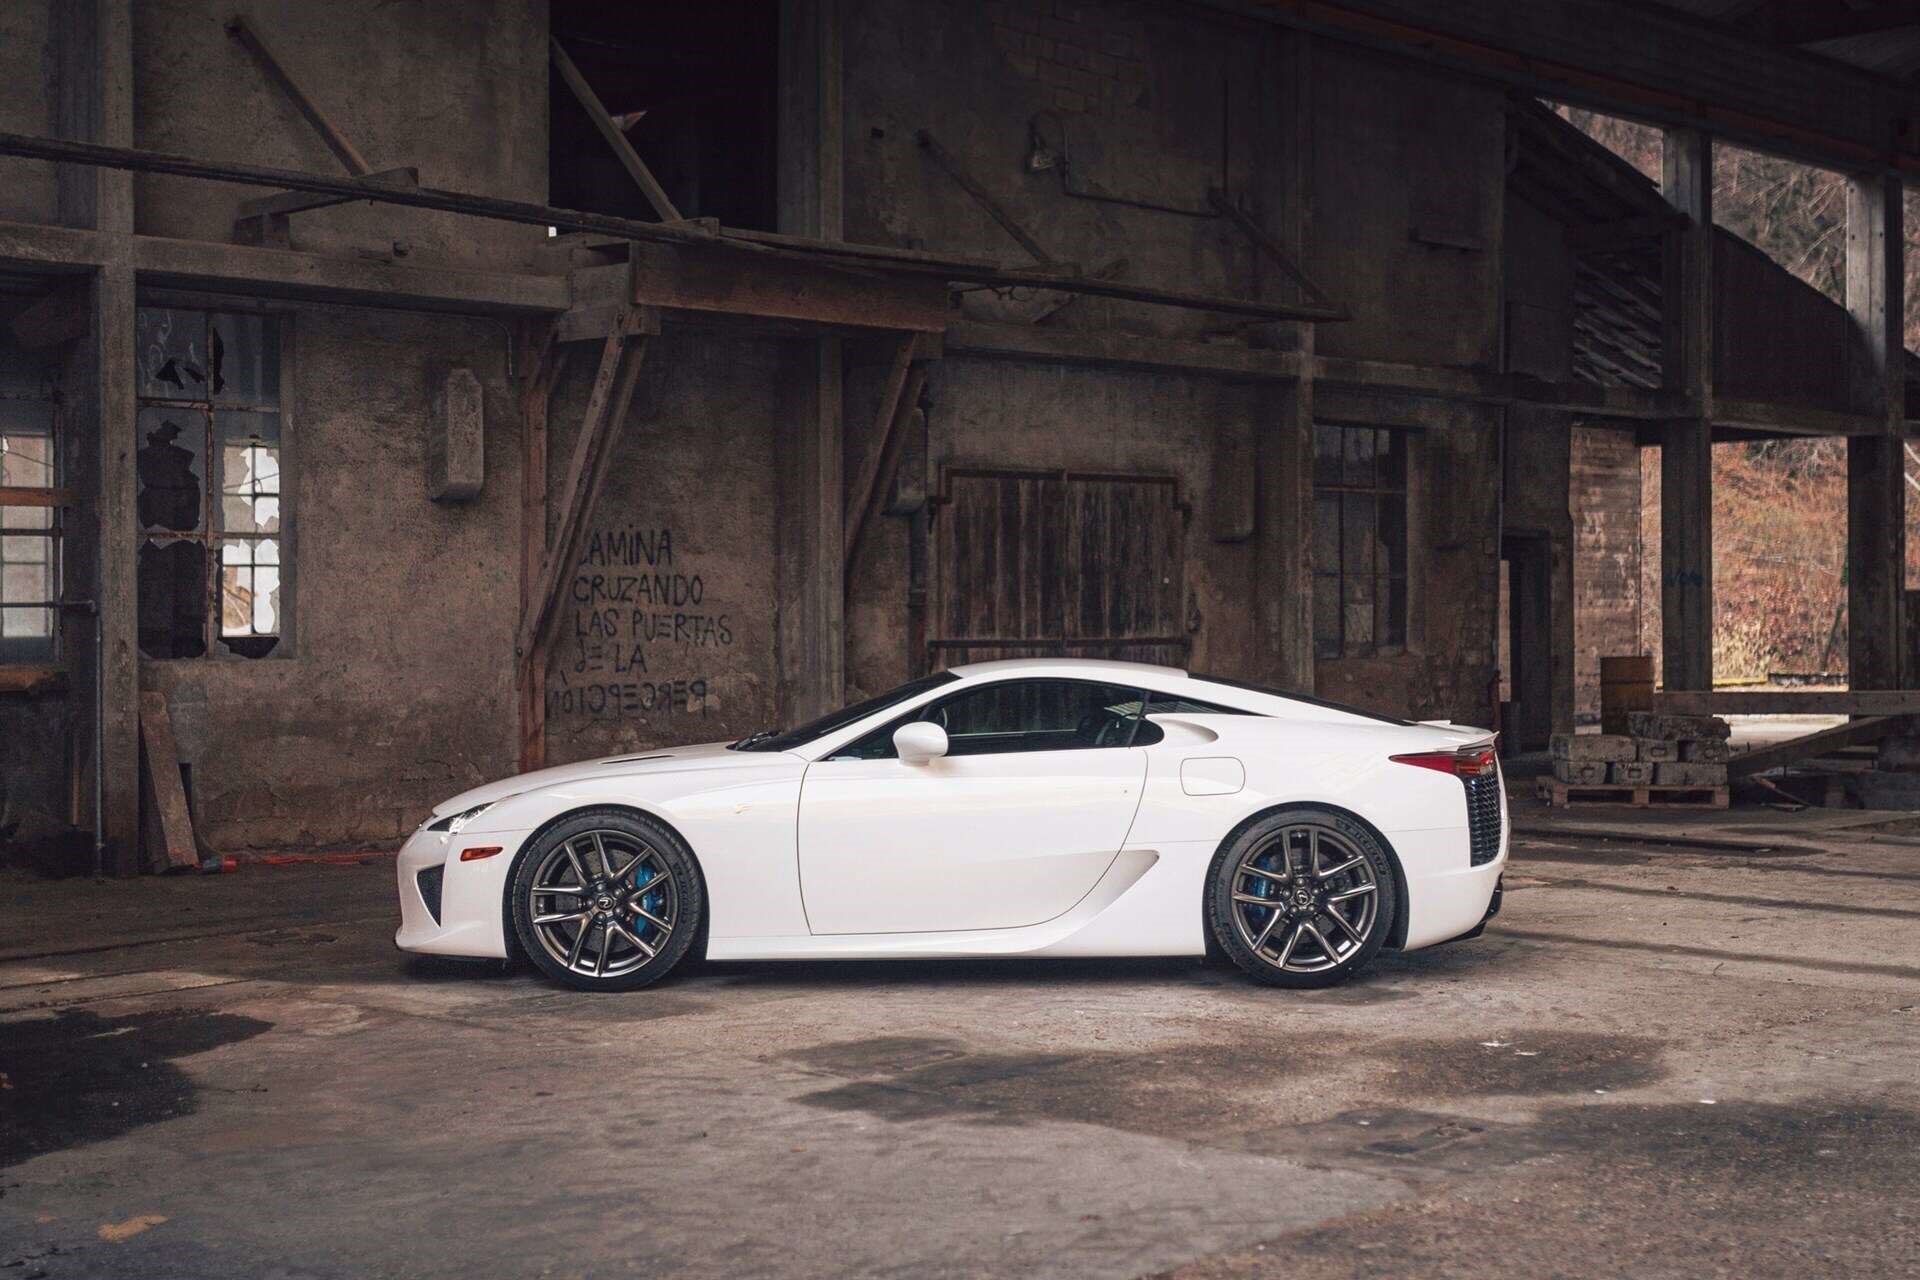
(1854,733)
(629,158)
(546,362)
(768,247)
(1836,702)
(1264,241)
(30,679)
(897,399)
(282,203)
(276,69)
(1792,419)
(981,196)
(32,496)
(1876,464)
(818,292)
(613,385)
(169,821)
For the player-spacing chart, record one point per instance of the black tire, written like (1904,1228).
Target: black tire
(614,921)
(1270,943)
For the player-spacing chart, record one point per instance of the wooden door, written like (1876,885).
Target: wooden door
(1057,564)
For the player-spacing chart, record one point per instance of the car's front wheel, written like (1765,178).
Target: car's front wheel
(1301,898)
(606,900)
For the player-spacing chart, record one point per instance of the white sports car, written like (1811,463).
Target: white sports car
(1018,808)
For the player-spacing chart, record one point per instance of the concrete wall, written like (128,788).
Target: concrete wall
(668,632)
(27,82)
(1607,557)
(393,691)
(457,90)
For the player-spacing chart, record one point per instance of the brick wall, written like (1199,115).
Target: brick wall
(1606,557)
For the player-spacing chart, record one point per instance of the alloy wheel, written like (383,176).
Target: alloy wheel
(1305,899)
(602,903)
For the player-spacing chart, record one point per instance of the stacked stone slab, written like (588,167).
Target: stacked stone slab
(1684,751)
(1589,759)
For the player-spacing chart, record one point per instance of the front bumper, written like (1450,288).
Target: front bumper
(471,920)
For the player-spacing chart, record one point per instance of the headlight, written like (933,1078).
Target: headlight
(454,822)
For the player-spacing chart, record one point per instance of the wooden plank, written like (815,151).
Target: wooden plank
(30,679)
(867,491)
(629,158)
(719,281)
(282,203)
(276,69)
(1812,702)
(1851,734)
(613,385)
(170,822)
(31,496)
(1567,795)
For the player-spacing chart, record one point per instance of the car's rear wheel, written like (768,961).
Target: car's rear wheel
(606,900)
(1303,897)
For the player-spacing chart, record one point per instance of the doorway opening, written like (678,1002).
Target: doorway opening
(696,93)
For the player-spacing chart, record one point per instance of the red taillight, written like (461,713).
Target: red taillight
(1461,764)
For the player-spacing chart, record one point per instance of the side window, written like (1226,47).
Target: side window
(1020,715)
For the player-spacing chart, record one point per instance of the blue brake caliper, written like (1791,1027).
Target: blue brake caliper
(1264,888)
(651,901)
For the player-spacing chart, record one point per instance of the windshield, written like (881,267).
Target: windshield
(788,739)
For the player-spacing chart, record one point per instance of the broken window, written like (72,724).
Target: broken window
(209,498)
(29,524)
(1359,541)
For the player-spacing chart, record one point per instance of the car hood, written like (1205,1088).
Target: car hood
(707,755)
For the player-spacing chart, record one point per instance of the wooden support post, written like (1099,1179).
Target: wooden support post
(545,362)
(811,627)
(276,68)
(1283,536)
(867,490)
(1686,455)
(613,384)
(1876,465)
(629,158)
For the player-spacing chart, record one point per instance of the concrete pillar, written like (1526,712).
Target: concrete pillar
(1282,641)
(812,195)
(1686,455)
(1876,465)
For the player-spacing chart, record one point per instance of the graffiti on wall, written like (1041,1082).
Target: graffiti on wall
(641,635)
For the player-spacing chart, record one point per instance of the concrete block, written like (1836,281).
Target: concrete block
(1656,749)
(457,439)
(1658,724)
(1586,773)
(1690,775)
(1603,747)
(1631,773)
(1705,750)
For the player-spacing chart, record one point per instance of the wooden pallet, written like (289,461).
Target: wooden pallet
(1566,795)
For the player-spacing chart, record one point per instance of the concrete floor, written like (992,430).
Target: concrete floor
(1663,1060)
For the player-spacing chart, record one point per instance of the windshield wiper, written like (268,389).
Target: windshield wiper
(754,739)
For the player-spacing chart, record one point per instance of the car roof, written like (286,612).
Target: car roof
(1087,668)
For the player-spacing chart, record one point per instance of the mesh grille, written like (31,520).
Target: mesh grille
(1483,817)
(429,881)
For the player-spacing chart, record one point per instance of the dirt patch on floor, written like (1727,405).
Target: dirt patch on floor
(78,1077)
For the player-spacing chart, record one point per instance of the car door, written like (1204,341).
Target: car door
(1012,827)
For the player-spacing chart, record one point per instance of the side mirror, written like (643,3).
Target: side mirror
(920,742)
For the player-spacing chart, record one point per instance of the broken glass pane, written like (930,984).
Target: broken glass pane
(249,470)
(250,595)
(173,599)
(245,355)
(171,353)
(172,465)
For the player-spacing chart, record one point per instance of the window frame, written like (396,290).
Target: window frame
(27,651)
(1381,580)
(282,318)
(885,732)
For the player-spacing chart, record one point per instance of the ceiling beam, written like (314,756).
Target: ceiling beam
(1797,22)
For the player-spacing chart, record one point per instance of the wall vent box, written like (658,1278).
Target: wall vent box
(457,439)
